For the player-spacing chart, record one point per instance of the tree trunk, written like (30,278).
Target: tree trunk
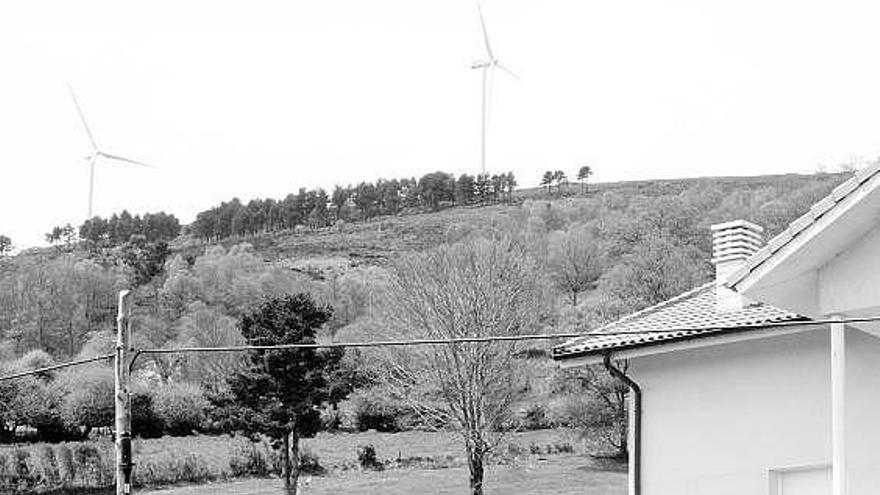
(289,484)
(294,461)
(475,465)
(574,297)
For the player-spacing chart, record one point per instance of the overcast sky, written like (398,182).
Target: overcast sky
(258,99)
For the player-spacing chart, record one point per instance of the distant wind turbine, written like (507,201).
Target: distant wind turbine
(487,66)
(97,152)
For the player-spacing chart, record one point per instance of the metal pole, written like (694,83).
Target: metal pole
(123,396)
(838,408)
(483,122)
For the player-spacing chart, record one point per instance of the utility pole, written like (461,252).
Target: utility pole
(123,396)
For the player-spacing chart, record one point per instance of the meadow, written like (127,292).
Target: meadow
(408,460)
(557,475)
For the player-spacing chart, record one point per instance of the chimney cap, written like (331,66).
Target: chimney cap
(745,224)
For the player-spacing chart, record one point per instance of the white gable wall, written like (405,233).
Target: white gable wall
(850,282)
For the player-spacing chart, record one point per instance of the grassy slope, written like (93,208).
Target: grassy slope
(373,242)
(384,238)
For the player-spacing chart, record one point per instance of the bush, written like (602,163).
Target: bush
(181,407)
(534,417)
(375,410)
(66,464)
(367,457)
(91,468)
(5,474)
(144,421)
(332,418)
(49,466)
(89,401)
(35,403)
(24,477)
(173,469)
(249,460)
(308,463)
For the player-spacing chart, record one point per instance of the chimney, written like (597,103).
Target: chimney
(732,244)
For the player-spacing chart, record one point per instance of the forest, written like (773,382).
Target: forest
(587,256)
(364,201)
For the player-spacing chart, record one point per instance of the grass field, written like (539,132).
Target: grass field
(543,461)
(557,475)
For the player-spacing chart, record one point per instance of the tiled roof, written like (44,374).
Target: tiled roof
(806,220)
(693,314)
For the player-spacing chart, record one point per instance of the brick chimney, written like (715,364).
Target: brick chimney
(732,244)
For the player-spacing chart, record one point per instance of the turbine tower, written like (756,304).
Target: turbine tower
(97,153)
(487,66)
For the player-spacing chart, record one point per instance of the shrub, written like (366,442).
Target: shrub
(24,477)
(173,469)
(248,460)
(181,407)
(332,418)
(66,464)
(375,410)
(35,403)
(308,463)
(144,421)
(5,473)
(91,468)
(534,417)
(367,457)
(35,359)
(49,466)
(89,400)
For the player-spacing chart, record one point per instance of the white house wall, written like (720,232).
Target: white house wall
(863,412)
(850,282)
(723,419)
(717,420)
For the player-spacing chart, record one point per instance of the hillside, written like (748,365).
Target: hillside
(376,241)
(382,239)
(62,299)
(583,259)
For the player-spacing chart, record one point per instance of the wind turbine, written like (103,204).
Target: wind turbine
(97,152)
(487,66)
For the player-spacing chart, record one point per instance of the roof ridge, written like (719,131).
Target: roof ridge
(818,210)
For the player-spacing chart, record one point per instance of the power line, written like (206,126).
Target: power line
(460,340)
(506,338)
(57,367)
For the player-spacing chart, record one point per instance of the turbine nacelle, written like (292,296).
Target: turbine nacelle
(482,64)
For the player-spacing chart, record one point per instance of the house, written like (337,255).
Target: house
(767,380)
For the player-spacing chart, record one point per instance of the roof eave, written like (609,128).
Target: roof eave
(719,337)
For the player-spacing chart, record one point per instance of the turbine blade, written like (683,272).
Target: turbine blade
(508,71)
(82,117)
(123,159)
(485,32)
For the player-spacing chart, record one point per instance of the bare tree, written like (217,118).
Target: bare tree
(472,289)
(574,261)
(596,404)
